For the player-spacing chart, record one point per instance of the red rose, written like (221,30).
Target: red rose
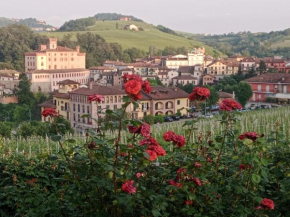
(199,93)
(133,129)
(123,154)
(152,155)
(198,165)
(158,149)
(229,105)
(133,87)
(188,202)
(196,181)
(179,140)
(149,141)
(242,167)
(137,97)
(95,97)
(250,135)
(267,203)
(145,130)
(128,77)
(92,145)
(49,112)
(181,170)
(128,187)
(146,87)
(168,136)
(171,182)
(138,175)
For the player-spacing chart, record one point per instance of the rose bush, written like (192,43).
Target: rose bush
(141,175)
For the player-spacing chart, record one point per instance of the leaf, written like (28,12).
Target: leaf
(56,138)
(219,138)
(256,179)
(146,155)
(72,141)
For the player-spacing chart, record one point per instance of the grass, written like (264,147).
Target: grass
(140,39)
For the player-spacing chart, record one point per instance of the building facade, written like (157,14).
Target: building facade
(222,68)
(52,56)
(270,85)
(47,80)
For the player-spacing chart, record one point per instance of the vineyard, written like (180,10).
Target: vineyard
(261,121)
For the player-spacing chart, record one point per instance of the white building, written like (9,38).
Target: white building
(47,80)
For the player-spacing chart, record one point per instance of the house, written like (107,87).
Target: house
(52,56)
(125,18)
(97,72)
(9,78)
(184,79)
(162,101)
(208,79)
(166,76)
(47,80)
(222,68)
(270,85)
(195,71)
(275,63)
(79,105)
(131,27)
(235,58)
(248,63)
(195,57)
(224,95)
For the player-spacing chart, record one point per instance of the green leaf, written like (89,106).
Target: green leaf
(146,155)
(256,179)
(56,138)
(219,138)
(72,141)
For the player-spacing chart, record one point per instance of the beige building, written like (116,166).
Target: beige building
(79,105)
(166,77)
(196,57)
(222,68)
(163,101)
(184,79)
(47,80)
(52,56)
(208,79)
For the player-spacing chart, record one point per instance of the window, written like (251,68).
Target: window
(178,102)
(259,87)
(79,108)
(267,88)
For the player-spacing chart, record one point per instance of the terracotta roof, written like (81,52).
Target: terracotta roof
(224,95)
(47,104)
(270,78)
(272,60)
(209,75)
(61,95)
(174,58)
(8,72)
(58,71)
(186,69)
(102,68)
(127,69)
(248,59)
(98,89)
(68,81)
(160,93)
(185,77)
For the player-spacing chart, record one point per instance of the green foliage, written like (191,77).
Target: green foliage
(78,24)
(113,16)
(214,97)
(187,88)
(21,113)
(25,130)
(243,92)
(149,119)
(262,67)
(166,30)
(159,119)
(15,40)
(5,130)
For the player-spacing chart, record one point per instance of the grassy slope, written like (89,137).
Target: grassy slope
(141,39)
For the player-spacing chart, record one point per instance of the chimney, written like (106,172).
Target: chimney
(78,48)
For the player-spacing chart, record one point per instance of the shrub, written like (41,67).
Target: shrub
(159,119)
(149,119)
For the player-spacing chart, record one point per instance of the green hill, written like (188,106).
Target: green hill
(139,39)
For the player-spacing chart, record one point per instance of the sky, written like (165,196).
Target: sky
(194,16)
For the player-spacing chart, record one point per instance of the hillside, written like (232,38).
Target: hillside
(141,39)
(33,23)
(259,44)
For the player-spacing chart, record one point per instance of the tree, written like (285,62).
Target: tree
(243,93)
(25,96)
(5,130)
(262,67)
(149,119)
(21,113)
(153,50)
(214,97)
(187,88)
